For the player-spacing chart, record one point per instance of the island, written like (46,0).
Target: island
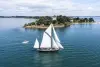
(58,21)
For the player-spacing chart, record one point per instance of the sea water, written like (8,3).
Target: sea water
(81,45)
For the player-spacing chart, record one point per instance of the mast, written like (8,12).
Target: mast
(51,36)
(39,46)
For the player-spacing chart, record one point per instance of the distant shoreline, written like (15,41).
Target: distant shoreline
(88,23)
(38,16)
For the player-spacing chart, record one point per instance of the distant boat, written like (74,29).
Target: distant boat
(25,42)
(50,41)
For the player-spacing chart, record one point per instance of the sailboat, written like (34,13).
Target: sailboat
(50,41)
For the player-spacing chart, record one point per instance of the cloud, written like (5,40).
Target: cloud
(49,7)
(90,8)
(35,6)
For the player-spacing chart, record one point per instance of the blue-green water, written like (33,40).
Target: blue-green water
(81,43)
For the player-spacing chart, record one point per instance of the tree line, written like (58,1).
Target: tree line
(47,20)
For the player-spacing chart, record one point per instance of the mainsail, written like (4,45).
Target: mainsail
(46,41)
(36,44)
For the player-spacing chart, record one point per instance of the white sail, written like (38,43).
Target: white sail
(57,39)
(46,41)
(36,45)
(54,44)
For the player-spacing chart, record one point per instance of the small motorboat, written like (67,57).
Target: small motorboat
(25,42)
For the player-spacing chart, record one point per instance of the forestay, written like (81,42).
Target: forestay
(57,39)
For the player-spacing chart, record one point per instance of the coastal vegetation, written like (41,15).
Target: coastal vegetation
(58,21)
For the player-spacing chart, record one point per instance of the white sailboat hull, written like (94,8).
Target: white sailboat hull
(50,41)
(48,49)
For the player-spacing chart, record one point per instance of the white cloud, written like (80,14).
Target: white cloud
(44,7)
(90,8)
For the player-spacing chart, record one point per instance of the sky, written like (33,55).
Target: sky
(49,7)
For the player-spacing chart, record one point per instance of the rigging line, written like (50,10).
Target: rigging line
(54,38)
(57,40)
(47,34)
(60,42)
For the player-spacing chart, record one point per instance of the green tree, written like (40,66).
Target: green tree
(46,20)
(91,20)
(60,19)
(86,19)
(54,21)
